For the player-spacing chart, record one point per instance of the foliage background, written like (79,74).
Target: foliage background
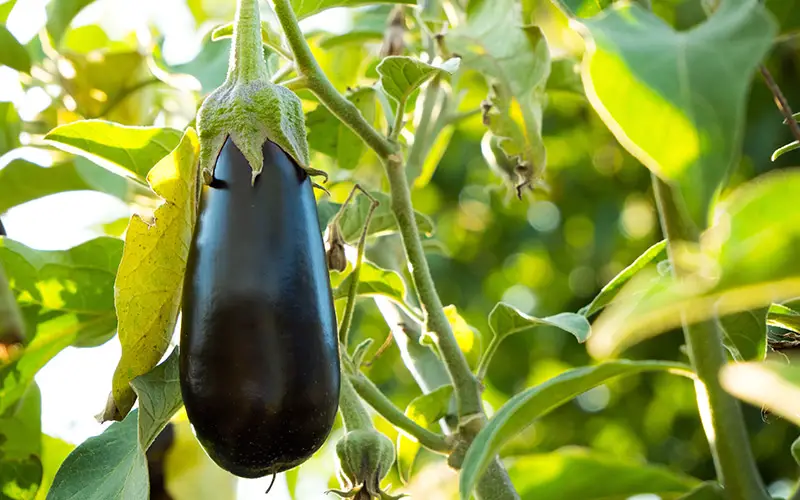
(544,254)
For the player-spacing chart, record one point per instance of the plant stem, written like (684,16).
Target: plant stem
(354,414)
(721,413)
(486,358)
(422,139)
(376,399)
(781,102)
(247,56)
(321,86)
(465,384)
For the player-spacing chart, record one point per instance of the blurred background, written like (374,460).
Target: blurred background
(149,62)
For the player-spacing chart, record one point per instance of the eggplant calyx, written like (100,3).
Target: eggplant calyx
(249,108)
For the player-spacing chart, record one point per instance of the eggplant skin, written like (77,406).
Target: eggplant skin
(259,358)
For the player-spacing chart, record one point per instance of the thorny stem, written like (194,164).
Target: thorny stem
(720,412)
(781,102)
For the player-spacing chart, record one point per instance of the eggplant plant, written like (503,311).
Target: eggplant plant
(295,192)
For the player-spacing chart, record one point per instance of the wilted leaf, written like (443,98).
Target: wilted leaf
(521,410)
(126,150)
(671,84)
(150,278)
(586,474)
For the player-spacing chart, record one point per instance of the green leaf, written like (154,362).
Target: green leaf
(769,384)
(671,84)
(783,317)
(328,135)
(505,320)
(10,128)
(13,53)
(21,447)
(5,9)
(306,8)
(374,282)
(149,282)
(66,298)
(785,149)
(574,473)
(204,73)
(609,292)
(159,393)
(352,221)
(514,58)
(521,410)
(401,76)
(60,14)
(787,13)
(22,181)
(111,465)
(746,261)
(745,334)
(796,450)
(54,452)
(126,150)
(20,478)
(425,410)
(709,490)
(468,338)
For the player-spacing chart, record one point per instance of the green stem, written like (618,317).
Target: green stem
(354,414)
(720,412)
(467,391)
(486,359)
(321,86)
(247,56)
(422,140)
(376,399)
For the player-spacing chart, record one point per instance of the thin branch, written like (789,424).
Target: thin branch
(781,102)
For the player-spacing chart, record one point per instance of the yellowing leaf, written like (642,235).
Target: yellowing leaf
(149,282)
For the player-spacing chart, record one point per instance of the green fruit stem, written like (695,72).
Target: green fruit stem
(354,414)
(247,55)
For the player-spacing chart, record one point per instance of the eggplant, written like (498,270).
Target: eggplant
(259,357)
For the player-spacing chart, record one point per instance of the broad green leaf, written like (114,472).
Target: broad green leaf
(583,9)
(374,281)
(783,317)
(505,320)
(5,9)
(10,128)
(609,292)
(468,338)
(150,278)
(514,58)
(54,452)
(328,135)
(745,334)
(575,473)
(159,393)
(401,76)
(66,298)
(189,472)
(746,261)
(22,181)
(306,8)
(425,410)
(352,221)
(521,410)
(671,84)
(21,447)
(769,384)
(60,14)
(13,53)
(111,465)
(785,149)
(126,150)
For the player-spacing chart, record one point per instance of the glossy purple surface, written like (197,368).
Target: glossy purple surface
(259,352)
